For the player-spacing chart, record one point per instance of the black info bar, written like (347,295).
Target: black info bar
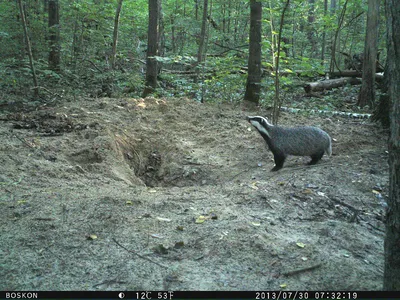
(169,295)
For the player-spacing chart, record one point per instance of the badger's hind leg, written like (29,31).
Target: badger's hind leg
(279,160)
(316,157)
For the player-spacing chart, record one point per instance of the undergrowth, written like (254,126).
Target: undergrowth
(219,80)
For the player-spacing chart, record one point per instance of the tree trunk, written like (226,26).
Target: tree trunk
(75,45)
(277,101)
(392,239)
(115,34)
(200,53)
(336,39)
(202,41)
(224,18)
(152,48)
(273,34)
(196,9)
(311,26)
(161,36)
(367,92)
(324,35)
(54,35)
(28,47)
(172,21)
(253,85)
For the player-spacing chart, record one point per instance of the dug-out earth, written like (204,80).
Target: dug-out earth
(171,194)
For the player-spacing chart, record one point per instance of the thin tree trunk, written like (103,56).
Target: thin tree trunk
(273,35)
(75,47)
(229,16)
(253,85)
(202,41)
(236,24)
(277,101)
(311,31)
(391,275)
(161,35)
(28,46)
(367,92)
(172,21)
(224,19)
(336,38)
(152,48)
(115,34)
(200,53)
(54,35)
(292,40)
(196,8)
(324,34)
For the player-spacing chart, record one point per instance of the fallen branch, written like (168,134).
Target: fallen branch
(137,254)
(345,204)
(93,64)
(296,271)
(352,208)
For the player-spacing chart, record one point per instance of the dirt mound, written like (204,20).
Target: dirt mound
(187,187)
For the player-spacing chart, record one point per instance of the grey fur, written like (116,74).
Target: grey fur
(299,141)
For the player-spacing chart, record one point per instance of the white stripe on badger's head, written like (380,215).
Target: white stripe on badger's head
(260,123)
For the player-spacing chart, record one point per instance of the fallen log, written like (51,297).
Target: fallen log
(330,84)
(345,73)
(352,73)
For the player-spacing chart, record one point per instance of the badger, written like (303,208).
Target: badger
(299,141)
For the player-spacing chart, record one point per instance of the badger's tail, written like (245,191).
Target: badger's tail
(328,150)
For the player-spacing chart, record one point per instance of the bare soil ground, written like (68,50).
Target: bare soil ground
(127,194)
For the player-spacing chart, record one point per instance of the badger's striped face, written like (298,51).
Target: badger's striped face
(260,123)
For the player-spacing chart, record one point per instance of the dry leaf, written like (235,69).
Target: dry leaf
(254,185)
(163,219)
(301,245)
(155,235)
(200,219)
(91,237)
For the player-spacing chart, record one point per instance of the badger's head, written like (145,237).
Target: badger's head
(260,123)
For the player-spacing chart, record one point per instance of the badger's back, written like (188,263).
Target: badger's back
(300,141)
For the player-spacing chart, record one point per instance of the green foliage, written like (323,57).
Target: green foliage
(86,32)
(131,84)
(310,67)
(227,81)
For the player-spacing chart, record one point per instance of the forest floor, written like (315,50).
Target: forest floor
(127,194)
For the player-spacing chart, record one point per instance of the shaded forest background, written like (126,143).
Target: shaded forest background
(73,45)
